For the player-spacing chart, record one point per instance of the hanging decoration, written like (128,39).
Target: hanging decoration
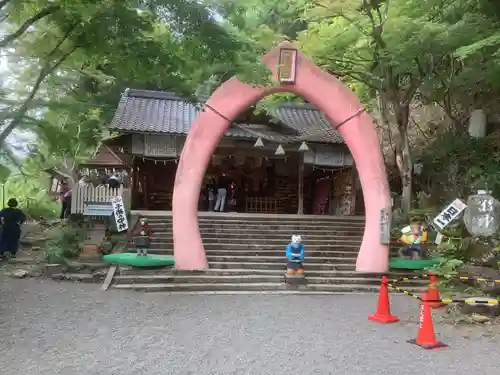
(315,168)
(304,147)
(334,173)
(156,161)
(280,150)
(259,143)
(267,158)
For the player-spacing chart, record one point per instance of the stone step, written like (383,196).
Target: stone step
(280,259)
(247,287)
(165,248)
(262,253)
(355,220)
(310,273)
(167,232)
(277,245)
(209,279)
(262,265)
(266,226)
(124,270)
(139,277)
(234,245)
(219,220)
(263,238)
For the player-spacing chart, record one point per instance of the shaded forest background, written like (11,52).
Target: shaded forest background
(421,67)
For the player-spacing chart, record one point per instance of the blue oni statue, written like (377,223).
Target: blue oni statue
(295,256)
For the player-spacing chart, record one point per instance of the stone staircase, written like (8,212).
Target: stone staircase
(246,255)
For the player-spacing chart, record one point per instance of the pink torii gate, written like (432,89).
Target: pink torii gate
(327,93)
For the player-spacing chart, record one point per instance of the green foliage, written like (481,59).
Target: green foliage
(69,62)
(5,172)
(63,244)
(458,165)
(453,250)
(31,191)
(447,268)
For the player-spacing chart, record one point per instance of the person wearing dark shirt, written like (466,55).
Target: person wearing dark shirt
(222,187)
(65,198)
(12,219)
(114,181)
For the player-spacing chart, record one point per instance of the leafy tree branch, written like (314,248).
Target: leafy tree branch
(7,40)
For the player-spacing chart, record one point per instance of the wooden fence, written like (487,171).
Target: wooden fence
(89,193)
(261,205)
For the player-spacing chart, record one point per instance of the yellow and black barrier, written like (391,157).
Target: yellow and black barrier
(491,302)
(449,277)
(477,278)
(426,337)
(471,301)
(408,278)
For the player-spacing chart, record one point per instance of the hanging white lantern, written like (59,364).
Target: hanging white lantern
(280,151)
(418,168)
(259,143)
(303,147)
(482,215)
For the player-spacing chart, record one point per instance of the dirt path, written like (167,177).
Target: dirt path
(70,329)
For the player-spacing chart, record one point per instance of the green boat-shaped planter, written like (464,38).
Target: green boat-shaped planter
(132,259)
(409,264)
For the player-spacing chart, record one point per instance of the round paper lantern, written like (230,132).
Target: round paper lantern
(482,215)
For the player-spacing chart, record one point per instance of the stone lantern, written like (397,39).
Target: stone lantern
(482,215)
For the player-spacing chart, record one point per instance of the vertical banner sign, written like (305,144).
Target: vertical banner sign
(287,67)
(450,213)
(385,226)
(120,215)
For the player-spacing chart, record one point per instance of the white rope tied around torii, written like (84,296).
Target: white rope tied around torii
(294,139)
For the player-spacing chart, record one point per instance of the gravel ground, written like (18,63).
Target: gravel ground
(64,328)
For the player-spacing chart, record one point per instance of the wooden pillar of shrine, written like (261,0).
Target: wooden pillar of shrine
(300,194)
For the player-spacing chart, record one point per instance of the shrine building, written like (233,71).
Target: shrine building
(287,160)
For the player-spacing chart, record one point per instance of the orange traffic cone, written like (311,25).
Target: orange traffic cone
(433,293)
(426,338)
(383,314)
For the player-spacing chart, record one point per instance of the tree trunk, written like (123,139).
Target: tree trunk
(403,156)
(401,111)
(406,173)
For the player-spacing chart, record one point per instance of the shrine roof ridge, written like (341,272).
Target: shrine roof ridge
(167,95)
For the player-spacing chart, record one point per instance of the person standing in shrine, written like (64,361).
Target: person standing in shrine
(222,187)
(65,199)
(12,219)
(114,180)
(211,191)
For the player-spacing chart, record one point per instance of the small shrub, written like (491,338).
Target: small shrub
(64,243)
(447,269)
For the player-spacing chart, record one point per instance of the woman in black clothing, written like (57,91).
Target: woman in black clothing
(12,219)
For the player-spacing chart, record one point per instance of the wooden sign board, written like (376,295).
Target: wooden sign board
(449,214)
(385,226)
(287,68)
(160,145)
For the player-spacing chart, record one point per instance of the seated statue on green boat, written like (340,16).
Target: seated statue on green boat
(143,236)
(414,238)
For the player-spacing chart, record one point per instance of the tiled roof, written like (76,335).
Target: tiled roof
(163,112)
(106,157)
